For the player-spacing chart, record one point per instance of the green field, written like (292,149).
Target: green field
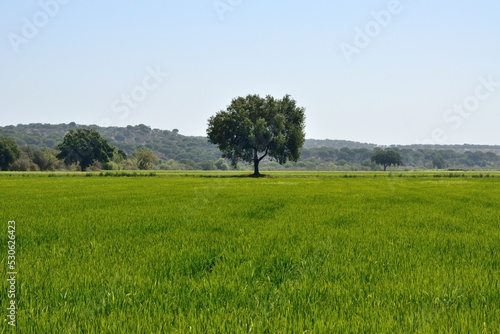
(291,253)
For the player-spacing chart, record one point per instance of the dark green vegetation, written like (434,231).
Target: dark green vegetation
(175,151)
(9,152)
(333,253)
(84,147)
(386,158)
(253,128)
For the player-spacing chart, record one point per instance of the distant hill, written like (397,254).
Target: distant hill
(166,144)
(316,154)
(457,148)
(338,144)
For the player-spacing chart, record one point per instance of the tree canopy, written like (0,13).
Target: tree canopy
(252,128)
(386,158)
(84,147)
(145,158)
(9,152)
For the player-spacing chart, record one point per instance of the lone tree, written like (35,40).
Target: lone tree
(252,128)
(386,158)
(84,147)
(9,152)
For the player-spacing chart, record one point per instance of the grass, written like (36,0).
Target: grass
(295,252)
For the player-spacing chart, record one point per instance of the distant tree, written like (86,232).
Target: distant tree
(477,158)
(220,164)
(120,137)
(326,153)
(24,164)
(145,158)
(120,156)
(491,157)
(386,158)
(84,147)
(438,162)
(118,161)
(187,162)
(205,165)
(346,154)
(9,152)
(252,128)
(33,158)
(368,163)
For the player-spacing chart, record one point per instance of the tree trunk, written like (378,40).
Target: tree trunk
(256,161)
(256,168)
(385,167)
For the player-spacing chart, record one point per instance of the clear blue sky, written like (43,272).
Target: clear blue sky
(412,76)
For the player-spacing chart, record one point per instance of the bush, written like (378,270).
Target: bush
(110,166)
(24,164)
(206,165)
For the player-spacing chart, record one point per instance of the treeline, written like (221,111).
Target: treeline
(359,159)
(167,145)
(169,150)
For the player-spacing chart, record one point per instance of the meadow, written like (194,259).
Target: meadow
(291,253)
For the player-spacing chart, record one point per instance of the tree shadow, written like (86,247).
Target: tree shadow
(240,176)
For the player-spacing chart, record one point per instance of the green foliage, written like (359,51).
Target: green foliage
(387,157)
(120,155)
(84,147)
(252,128)
(145,158)
(33,158)
(315,154)
(188,162)
(205,165)
(9,152)
(314,253)
(220,164)
(438,162)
